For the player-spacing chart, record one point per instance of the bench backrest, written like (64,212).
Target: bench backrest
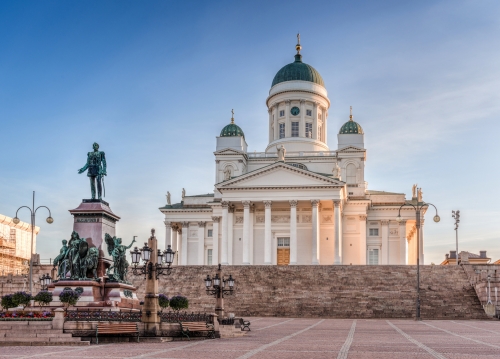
(194,325)
(122,327)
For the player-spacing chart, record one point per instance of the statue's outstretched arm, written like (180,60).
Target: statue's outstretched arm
(130,246)
(86,164)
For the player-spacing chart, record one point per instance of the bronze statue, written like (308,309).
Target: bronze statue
(118,252)
(89,262)
(61,261)
(96,166)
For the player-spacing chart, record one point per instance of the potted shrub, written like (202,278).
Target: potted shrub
(7,302)
(21,299)
(43,298)
(163,301)
(69,297)
(179,302)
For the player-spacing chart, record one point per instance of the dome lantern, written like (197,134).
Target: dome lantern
(351,127)
(232,129)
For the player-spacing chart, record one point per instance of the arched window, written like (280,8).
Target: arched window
(351,173)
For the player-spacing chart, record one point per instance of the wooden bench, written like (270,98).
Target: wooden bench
(118,328)
(191,327)
(244,324)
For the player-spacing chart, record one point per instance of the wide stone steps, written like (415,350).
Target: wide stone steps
(28,333)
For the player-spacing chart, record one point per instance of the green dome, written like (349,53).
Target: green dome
(232,130)
(352,128)
(298,71)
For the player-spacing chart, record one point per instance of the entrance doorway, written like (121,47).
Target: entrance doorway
(283,251)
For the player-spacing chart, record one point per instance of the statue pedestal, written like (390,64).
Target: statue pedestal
(93,218)
(118,295)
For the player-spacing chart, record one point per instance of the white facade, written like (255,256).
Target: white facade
(296,211)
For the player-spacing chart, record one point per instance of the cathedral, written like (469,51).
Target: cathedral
(299,202)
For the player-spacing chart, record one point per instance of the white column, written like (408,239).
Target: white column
(251,230)
(293,232)
(174,244)
(246,232)
(302,124)
(230,233)
(201,243)
(362,239)
(215,240)
(315,232)
(288,126)
(267,233)
(276,129)
(168,234)
(271,124)
(325,127)
(224,239)
(338,232)
(315,121)
(421,249)
(184,245)
(402,242)
(385,242)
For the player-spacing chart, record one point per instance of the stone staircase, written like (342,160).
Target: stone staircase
(385,291)
(32,333)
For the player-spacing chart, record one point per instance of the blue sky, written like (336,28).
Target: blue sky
(154,82)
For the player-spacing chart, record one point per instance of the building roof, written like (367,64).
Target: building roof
(351,127)
(232,129)
(298,71)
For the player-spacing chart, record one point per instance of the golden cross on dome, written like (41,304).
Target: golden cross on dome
(298,38)
(350,114)
(232,115)
(298,47)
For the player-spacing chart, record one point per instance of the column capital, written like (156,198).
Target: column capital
(230,208)
(179,230)
(224,204)
(302,101)
(267,204)
(168,224)
(246,204)
(215,218)
(402,222)
(314,202)
(384,222)
(252,208)
(202,223)
(362,217)
(293,203)
(337,202)
(185,224)
(288,102)
(422,221)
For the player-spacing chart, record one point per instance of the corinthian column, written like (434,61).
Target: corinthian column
(224,239)
(246,232)
(230,233)
(402,242)
(293,232)
(215,240)
(338,233)
(184,246)
(201,243)
(385,242)
(168,234)
(267,233)
(315,232)
(362,239)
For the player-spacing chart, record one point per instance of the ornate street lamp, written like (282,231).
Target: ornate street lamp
(418,207)
(45,281)
(217,288)
(456,216)
(16,220)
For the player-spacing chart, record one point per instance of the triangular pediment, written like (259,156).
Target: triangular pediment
(229,151)
(279,175)
(351,149)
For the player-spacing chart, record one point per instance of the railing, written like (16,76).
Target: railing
(174,317)
(226,321)
(104,316)
(292,154)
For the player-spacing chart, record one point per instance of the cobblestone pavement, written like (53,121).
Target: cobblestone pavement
(280,338)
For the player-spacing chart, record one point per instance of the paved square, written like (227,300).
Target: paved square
(285,338)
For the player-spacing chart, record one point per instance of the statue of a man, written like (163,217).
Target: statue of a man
(183,193)
(336,171)
(118,252)
(281,153)
(77,250)
(60,261)
(414,191)
(419,195)
(96,166)
(227,174)
(168,198)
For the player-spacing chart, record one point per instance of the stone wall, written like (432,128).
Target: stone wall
(330,291)
(478,278)
(14,283)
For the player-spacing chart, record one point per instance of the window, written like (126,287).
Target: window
(309,130)
(283,242)
(372,256)
(309,112)
(298,165)
(374,232)
(209,257)
(282,130)
(351,173)
(282,113)
(295,129)
(209,233)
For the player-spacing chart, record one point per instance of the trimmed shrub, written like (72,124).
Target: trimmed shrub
(7,302)
(43,298)
(163,301)
(69,297)
(21,299)
(179,302)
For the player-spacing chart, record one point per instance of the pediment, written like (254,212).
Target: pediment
(351,149)
(279,175)
(229,151)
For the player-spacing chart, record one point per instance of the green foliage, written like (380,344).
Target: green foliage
(163,301)
(43,298)
(7,302)
(21,299)
(179,302)
(69,297)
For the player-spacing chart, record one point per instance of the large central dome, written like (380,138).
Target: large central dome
(298,71)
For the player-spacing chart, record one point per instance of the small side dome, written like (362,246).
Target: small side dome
(351,127)
(232,129)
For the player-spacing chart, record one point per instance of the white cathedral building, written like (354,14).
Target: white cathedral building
(299,202)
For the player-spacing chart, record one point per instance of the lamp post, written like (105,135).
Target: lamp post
(16,220)
(45,281)
(489,290)
(456,216)
(154,263)
(418,207)
(216,286)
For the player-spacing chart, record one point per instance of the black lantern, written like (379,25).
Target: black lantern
(168,255)
(136,256)
(45,281)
